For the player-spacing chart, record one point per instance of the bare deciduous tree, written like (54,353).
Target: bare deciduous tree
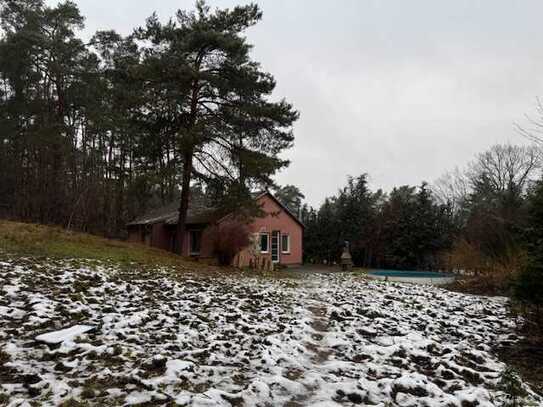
(452,188)
(508,168)
(534,131)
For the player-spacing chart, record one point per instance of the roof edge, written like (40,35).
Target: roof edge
(277,201)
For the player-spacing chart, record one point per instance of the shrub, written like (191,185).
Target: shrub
(466,257)
(528,291)
(230,239)
(511,385)
(484,274)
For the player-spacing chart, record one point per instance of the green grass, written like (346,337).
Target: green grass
(54,242)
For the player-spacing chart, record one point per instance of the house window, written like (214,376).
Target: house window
(264,243)
(195,242)
(146,235)
(285,243)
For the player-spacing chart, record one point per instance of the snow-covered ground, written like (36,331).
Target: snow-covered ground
(105,336)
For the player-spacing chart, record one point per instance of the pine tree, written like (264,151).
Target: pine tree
(291,197)
(213,99)
(41,61)
(529,286)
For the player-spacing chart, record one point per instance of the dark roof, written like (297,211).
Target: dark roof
(197,213)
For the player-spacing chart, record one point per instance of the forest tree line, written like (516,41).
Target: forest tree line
(473,219)
(94,133)
(484,221)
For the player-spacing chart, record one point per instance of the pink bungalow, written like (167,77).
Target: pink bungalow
(276,236)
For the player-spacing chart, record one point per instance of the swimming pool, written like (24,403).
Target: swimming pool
(419,277)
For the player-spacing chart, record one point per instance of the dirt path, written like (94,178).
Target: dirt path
(321,353)
(320,324)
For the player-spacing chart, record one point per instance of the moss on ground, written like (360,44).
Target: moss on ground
(360,271)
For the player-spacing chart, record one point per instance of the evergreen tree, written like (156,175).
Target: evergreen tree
(529,287)
(327,233)
(354,209)
(92,135)
(311,243)
(407,229)
(214,101)
(41,61)
(291,197)
(399,229)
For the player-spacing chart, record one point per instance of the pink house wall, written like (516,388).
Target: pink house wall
(277,219)
(156,235)
(135,235)
(207,242)
(161,237)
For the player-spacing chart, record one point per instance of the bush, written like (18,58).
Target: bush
(528,291)
(484,274)
(511,384)
(230,239)
(529,286)
(465,257)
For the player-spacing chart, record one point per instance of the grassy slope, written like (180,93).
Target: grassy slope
(38,240)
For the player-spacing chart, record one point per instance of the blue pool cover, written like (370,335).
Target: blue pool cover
(402,273)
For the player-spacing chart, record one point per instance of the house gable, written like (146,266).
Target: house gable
(277,218)
(262,199)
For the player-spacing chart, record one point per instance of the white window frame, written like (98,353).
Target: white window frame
(267,242)
(288,244)
(276,235)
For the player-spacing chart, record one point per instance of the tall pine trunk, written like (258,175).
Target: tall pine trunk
(185,196)
(188,156)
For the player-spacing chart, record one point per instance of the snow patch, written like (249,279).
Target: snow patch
(64,335)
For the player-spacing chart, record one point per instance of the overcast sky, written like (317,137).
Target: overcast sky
(402,90)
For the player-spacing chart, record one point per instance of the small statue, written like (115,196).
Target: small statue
(346,258)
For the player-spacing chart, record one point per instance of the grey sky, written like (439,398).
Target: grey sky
(402,90)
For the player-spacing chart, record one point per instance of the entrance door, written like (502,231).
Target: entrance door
(275,246)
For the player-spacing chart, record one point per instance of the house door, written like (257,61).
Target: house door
(275,246)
